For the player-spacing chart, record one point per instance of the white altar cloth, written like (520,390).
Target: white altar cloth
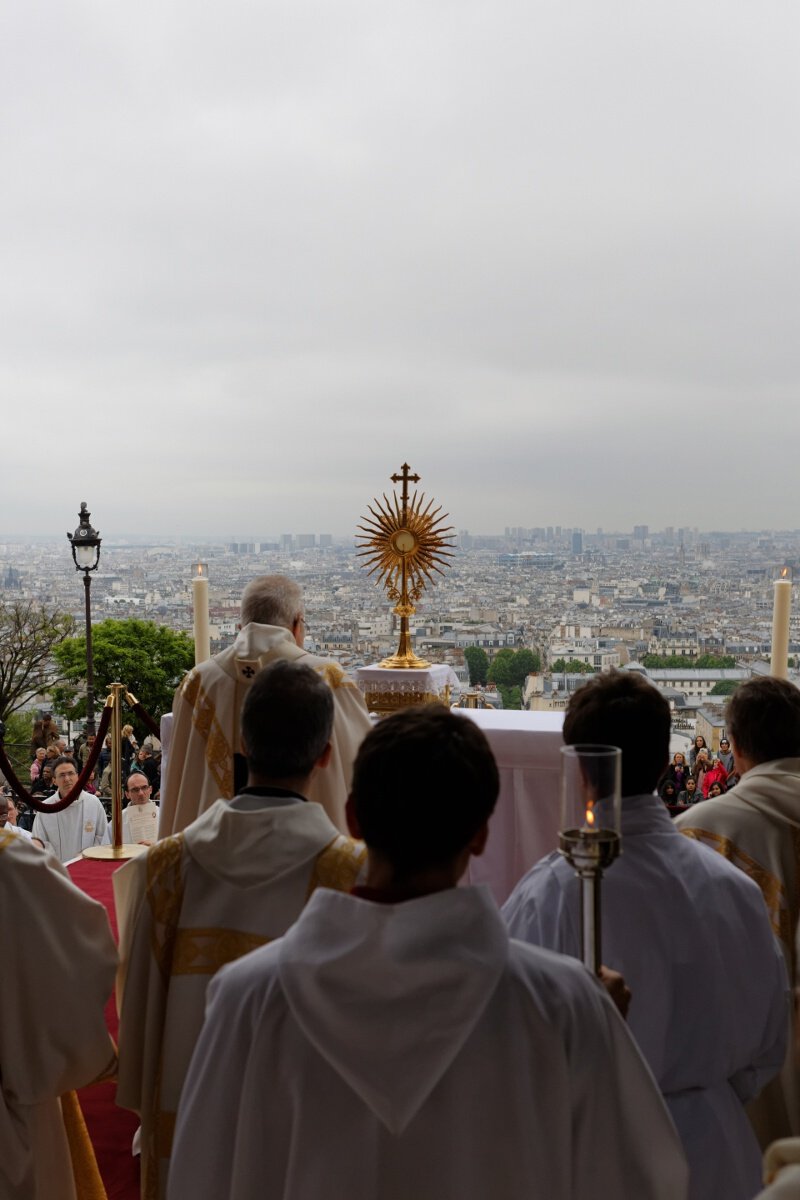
(524,826)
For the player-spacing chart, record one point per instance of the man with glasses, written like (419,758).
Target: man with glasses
(139,817)
(203,763)
(82,824)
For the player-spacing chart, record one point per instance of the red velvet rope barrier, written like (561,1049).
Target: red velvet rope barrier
(143,715)
(60,805)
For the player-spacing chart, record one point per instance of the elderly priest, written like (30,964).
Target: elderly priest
(205,734)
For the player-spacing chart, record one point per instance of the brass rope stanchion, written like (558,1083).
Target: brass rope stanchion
(117,850)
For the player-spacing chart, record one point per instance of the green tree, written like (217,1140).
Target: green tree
(512,696)
(712,662)
(526,662)
(725,687)
(570,666)
(19,731)
(29,636)
(149,659)
(477,663)
(500,668)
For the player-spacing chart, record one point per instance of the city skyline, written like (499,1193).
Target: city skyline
(257,257)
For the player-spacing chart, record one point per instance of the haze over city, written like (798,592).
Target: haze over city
(258,256)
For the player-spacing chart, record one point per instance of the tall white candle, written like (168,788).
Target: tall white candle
(202,639)
(781,611)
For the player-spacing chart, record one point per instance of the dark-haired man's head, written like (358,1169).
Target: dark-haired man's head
(763,718)
(286,724)
(424,786)
(620,708)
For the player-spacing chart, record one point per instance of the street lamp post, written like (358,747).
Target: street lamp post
(85,542)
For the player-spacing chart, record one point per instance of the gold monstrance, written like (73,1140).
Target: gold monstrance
(404,543)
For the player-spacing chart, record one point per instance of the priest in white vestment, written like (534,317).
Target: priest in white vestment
(58,960)
(689,933)
(205,732)
(396,1045)
(82,824)
(756,827)
(234,880)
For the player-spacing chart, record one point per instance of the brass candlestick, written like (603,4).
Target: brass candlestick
(404,543)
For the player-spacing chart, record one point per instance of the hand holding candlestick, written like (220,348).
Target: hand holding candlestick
(590,829)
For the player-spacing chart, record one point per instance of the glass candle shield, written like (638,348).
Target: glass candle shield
(591,806)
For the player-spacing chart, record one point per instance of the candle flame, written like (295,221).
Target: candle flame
(784,572)
(589,818)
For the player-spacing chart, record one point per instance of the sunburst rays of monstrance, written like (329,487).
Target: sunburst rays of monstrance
(405,540)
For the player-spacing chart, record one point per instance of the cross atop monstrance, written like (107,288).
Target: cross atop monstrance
(404,542)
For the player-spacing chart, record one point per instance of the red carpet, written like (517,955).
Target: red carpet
(110,1128)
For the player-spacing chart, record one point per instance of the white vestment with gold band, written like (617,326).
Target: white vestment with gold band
(206,735)
(236,878)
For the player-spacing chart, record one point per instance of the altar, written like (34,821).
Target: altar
(524,825)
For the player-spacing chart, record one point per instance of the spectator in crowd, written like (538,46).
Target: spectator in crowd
(697,745)
(690,795)
(148,766)
(677,771)
(715,774)
(716,789)
(45,731)
(86,749)
(726,755)
(709,1058)
(45,785)
(668,793)
(702,763)
(38,762)
(130,748)
(104,758)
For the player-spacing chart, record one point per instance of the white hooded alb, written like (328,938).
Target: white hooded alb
(383,1052)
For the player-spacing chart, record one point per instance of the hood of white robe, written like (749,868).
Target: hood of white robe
(389,993)
(256,646)
(772,787)
(250,847)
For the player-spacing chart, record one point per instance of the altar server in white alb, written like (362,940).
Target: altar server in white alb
(58,960)
(205,734)
(690,934)
(236,878)
(756,826)
(82,824)
(396,1045)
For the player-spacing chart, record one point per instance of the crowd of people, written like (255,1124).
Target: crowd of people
(311,1006)
(703,776)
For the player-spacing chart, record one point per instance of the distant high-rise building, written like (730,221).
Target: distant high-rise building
(640,533)
(577,541)
(287,541)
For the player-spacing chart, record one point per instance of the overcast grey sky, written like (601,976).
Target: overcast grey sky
(256,254)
